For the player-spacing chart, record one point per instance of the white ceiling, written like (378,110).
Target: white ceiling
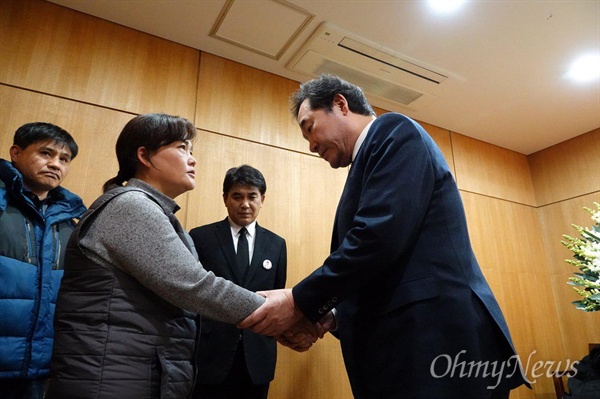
(511,56)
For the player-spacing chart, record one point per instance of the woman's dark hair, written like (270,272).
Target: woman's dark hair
(244,175)
(151,131)
(321,92)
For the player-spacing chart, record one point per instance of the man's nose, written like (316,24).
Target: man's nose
(54,162)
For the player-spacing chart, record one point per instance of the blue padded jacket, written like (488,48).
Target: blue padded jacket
(32,245)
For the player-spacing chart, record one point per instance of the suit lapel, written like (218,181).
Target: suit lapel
(335,237)
(346,211)
(226,242)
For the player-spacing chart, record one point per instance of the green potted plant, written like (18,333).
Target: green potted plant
(586,257)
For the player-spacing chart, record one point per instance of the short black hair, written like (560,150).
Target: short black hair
(244,175)
(34,132)
(321,91)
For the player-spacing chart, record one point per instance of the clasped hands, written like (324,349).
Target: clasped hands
(278,317)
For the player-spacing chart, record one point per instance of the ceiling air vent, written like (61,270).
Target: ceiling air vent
(380,72)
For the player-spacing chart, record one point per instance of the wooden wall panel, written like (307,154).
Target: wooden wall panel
(491,170)
(509,247)
(302,194)
(247,103)
(316,374)
(578,328)
(567,170)
(442,139)
(505,235)
(94,129)
(52,49)
(556,220)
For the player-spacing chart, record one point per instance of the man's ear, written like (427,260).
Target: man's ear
(143,156)
(14,152)
(339,101)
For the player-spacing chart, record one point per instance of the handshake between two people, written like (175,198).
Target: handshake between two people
(279,317)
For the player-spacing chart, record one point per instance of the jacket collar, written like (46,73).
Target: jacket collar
(12,182)
(166,202)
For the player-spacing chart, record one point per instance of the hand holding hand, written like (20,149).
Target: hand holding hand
(301,336)
(277,314)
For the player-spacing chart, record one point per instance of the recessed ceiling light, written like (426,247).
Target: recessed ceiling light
(585,69)
(445,5)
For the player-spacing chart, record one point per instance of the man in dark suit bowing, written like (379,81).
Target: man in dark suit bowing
(232,363)
(414,314)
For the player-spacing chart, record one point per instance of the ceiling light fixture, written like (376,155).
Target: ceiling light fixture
(445,6)
(585,69)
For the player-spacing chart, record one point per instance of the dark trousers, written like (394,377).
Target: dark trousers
(237,384)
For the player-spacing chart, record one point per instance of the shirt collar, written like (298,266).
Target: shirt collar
(235,229)
(35,199)
(52,197)
(360,139)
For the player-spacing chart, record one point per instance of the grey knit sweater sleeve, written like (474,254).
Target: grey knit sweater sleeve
(134,234)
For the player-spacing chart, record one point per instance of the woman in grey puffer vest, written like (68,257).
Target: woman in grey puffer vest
(125,316)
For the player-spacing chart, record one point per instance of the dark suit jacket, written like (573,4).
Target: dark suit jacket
(402,275)
(218,341)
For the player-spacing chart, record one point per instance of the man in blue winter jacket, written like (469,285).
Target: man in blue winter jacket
(36,220)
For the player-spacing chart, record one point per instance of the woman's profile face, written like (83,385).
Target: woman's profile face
(172,169)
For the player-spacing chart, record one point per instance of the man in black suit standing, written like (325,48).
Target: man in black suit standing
(233,363)
(415,316)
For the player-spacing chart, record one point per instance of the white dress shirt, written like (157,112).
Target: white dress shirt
(251,236)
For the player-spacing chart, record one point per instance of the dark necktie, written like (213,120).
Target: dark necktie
(242,250)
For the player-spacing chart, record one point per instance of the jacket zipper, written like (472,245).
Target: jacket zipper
(30,246)
(56,247)
(36,307)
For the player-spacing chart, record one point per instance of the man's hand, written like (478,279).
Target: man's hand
(328,323)
(277,314)
(301,336)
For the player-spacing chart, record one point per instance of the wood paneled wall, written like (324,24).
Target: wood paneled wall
(235,100)
(91,76)
(567,170)
(52,49)
(491,170)
(566,178)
